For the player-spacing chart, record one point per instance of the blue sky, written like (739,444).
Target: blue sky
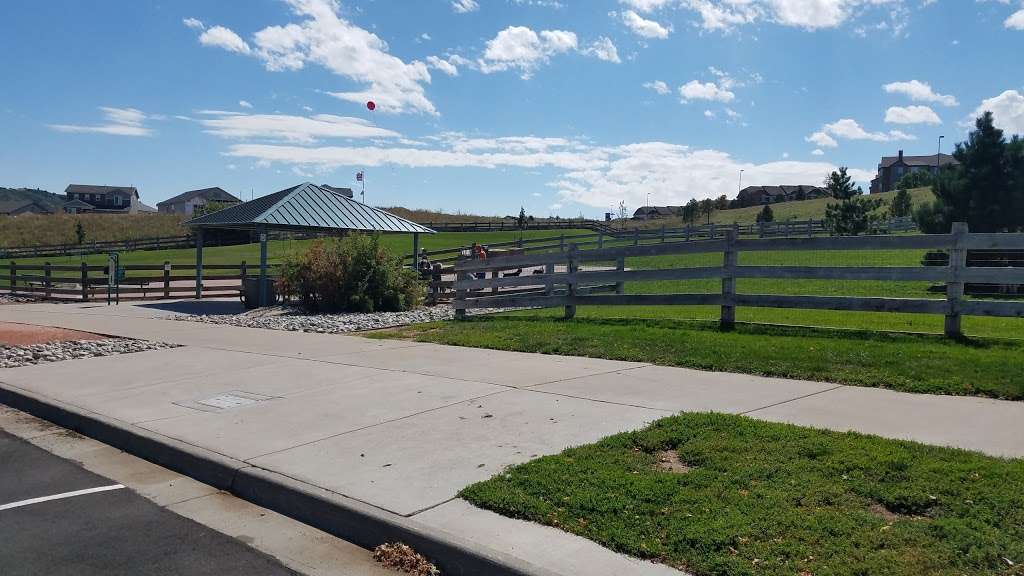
(562,106)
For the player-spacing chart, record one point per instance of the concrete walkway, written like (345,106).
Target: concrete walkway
(404,426)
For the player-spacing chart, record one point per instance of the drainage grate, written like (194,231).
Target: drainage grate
(225,401)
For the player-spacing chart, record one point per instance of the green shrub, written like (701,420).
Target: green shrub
(353,274)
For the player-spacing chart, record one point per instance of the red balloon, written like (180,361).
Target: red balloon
(371,105)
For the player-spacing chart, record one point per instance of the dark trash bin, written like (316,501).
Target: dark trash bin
(251,292)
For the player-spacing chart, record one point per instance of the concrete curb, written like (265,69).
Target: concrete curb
(348,519)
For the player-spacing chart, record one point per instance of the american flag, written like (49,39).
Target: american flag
(359,176)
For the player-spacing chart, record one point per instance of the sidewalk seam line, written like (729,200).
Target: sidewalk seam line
(836,387)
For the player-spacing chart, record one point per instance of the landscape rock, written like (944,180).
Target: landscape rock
(296,320)
(16,356)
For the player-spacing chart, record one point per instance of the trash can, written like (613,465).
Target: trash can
(251,292)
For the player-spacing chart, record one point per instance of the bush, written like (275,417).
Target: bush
(353,274)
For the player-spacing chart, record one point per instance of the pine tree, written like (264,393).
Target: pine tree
(854,214)
(901,204)
(986,189)
(79,232)
(766,215)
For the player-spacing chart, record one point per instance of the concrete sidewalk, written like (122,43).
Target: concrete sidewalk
(403,426)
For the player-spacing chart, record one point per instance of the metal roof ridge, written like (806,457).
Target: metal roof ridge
(259,218)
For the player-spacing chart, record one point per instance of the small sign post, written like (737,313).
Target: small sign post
(114,275)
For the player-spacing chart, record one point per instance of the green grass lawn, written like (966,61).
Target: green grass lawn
(907,362)
(776,499)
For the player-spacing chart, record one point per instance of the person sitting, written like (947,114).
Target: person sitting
(424,265)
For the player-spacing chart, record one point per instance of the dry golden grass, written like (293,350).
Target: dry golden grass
(37,230)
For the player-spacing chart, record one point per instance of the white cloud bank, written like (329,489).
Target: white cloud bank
(465,6)
(322,37)
(807,14)
(1016,20)
(520,48)
(292,129)
(119,122)
(695,90)
(598,176)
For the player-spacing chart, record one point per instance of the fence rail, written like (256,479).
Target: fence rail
(141,282)
(486,283)
(607,235)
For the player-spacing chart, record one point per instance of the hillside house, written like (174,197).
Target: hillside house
(760,195)
(86,198)
(19,207)
(652,212)
(892,168)
(187,202)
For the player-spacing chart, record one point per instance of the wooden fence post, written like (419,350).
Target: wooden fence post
(561,242)
(662,233)
(636,237)
(495,274)
(85,282)
(600,240)
(712,230)
(955,285)
(47,281)
(460,293)
(167,279)
(549,287)
(570,309)
(727,320)
(620,266)
(14,277)
(810,227)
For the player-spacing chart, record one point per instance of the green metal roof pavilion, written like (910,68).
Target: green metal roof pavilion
(306,207)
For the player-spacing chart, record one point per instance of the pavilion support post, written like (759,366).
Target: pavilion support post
(415,250)
(263,266)
(199,263)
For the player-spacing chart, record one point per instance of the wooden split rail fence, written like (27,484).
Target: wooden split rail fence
(572,287)
(141,282)
(637,236)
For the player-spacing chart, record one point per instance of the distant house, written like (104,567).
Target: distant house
(346,192)
(19,207)
(892,168)
(85,198)
(651,212)
(759,195)
(187,202)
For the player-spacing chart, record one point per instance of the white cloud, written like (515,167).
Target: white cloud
(644,27)
(848,129)
(646,5)
(519,47)
(807,14)
(822,139)
(818,152)
(445,66)
(695,90)
(193,23)
(464,6)
(222,37)
(536,194)
(1007,111)
(911,115)
(119,122)
(919,92)
(709,114)
(658,86)
(1016,20)
(244,104)
(603,49)
(285,128)
(326,39)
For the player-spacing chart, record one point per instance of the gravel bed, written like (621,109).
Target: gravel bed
(294,319)
(12,299)
(15,356)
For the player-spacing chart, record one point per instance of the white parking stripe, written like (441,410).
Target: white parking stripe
(59,496)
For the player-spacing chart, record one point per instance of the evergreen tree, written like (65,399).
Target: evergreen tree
(79,233)
(986,190)
(766,215)
(707,207)
(521,220)
(915,179)
(901,204)
(854,214)
(691,211)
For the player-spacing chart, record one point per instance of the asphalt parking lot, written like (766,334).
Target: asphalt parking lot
(58,518)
